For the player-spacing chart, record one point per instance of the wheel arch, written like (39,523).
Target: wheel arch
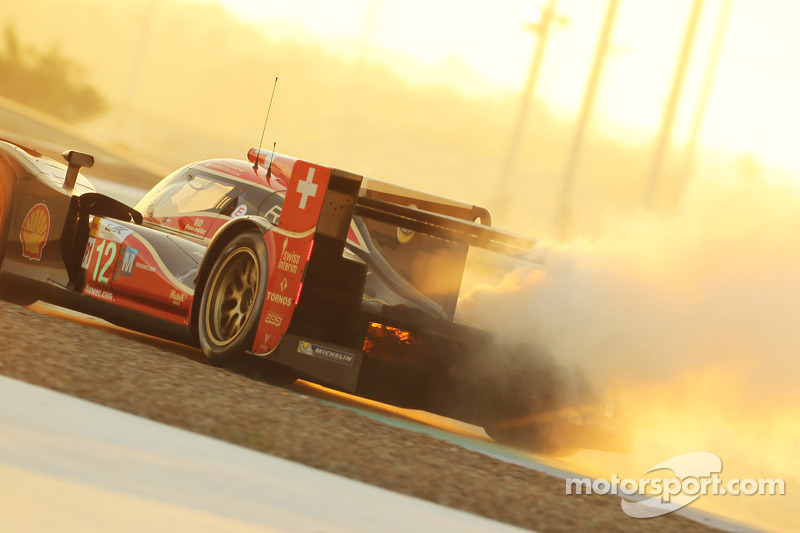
(218,243)
(8,184)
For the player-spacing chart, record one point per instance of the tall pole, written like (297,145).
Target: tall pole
(671,108)
(687,166)
(563,209)
(135,73)
(542,27)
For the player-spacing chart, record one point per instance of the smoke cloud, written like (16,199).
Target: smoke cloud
(692,316)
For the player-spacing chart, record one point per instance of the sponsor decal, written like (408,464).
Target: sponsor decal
(354,237)
(224,167)
(128,260)
(100,294)
(87,256)
(239,211)
(196,228)
(289,260)
(284,284)
(34,232)
(307,188)
(145,266)
(113,231)
(279,299)
(315,350)
(273,215)
(177,297)
(404,234)
(273,318)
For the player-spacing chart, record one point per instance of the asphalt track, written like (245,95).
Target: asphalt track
(99,469)
(451,431)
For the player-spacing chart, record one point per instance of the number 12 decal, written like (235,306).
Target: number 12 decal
(108,250)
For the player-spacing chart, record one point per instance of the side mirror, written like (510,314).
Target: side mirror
(75,160)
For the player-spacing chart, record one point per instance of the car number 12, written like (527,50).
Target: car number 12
(107,250)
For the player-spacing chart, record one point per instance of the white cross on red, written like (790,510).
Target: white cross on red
(307,188)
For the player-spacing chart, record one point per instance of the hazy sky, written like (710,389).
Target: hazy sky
(479,47)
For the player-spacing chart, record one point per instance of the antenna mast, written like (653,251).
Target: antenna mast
(269,168)
(274,85)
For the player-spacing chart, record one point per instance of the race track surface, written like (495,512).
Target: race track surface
(120,371)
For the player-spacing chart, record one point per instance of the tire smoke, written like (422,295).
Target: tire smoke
(692,316)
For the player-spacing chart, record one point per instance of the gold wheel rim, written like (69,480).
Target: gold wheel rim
(231,296)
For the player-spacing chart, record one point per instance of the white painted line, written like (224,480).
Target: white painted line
(71,465)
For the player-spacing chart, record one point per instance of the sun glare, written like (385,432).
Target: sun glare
(752,107)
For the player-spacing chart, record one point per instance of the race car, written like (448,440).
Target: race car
(297,268)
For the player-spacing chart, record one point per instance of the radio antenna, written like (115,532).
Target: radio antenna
(274,85)
(269,168)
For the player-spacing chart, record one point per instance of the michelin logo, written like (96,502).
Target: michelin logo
(314,350)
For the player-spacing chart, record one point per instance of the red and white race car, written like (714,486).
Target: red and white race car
(293,266)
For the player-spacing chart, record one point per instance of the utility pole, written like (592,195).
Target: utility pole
(671,108)
(135,73)
(563,215)
(542,28)
(687,166)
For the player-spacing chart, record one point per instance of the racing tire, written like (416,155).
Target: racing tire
(537,438)
(233,296)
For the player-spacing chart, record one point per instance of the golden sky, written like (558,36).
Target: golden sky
(480,47)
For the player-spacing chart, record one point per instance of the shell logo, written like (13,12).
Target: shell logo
(34,232)
(404,235)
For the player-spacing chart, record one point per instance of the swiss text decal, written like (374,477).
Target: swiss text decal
(283,288)
(34,232)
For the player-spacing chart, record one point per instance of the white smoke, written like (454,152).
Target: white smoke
(714,284)
(693,316)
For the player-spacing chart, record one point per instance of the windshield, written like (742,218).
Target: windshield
(192,191)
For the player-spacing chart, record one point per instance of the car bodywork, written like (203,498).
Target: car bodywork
(358,286)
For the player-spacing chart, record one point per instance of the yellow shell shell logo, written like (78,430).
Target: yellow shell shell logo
(404,234)
(35,229)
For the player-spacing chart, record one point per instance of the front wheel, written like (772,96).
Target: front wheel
(233,298)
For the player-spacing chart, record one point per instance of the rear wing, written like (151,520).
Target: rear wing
(445,227)
(344,199)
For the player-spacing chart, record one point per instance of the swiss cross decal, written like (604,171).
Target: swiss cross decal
(307,188)
(304,197)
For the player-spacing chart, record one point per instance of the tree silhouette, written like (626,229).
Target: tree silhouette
(47,81)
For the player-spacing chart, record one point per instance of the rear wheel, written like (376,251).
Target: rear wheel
(536,437)
(233,297)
